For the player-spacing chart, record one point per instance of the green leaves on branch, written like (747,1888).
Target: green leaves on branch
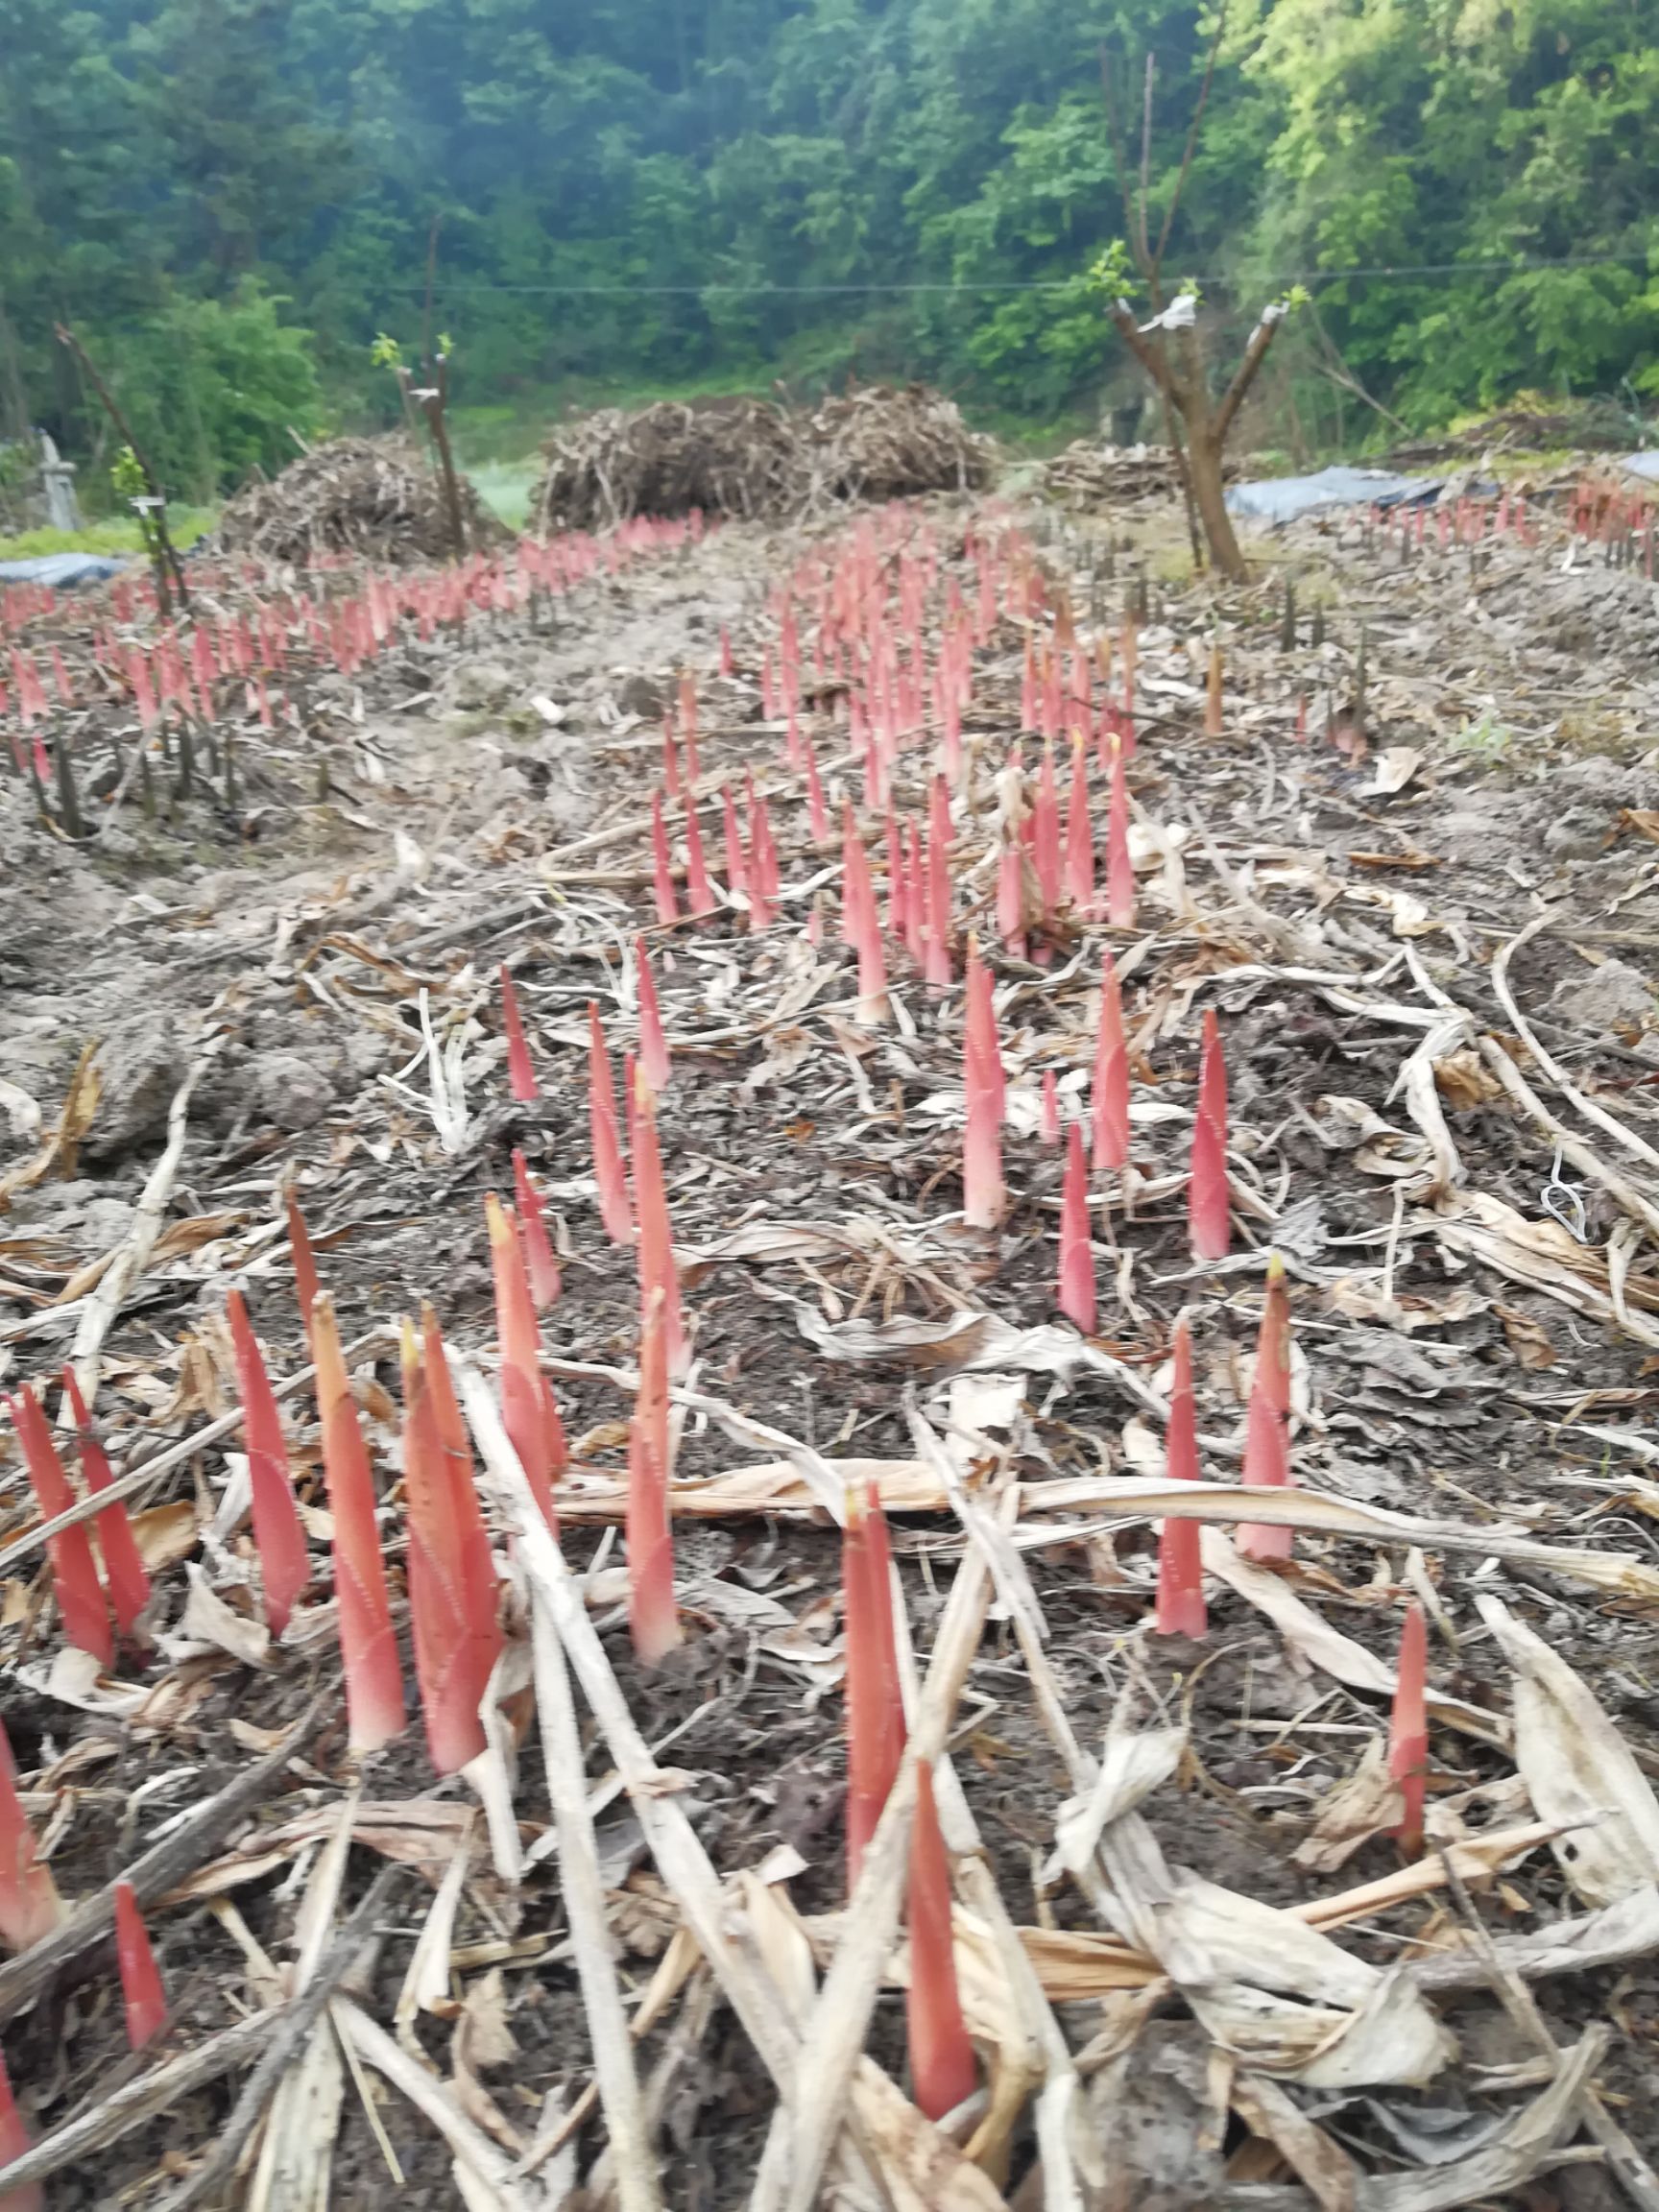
(1113,275)
(126,476)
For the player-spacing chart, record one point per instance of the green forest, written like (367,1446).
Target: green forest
(228,199)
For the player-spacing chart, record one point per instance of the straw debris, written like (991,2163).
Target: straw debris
(754,458)
(371,496)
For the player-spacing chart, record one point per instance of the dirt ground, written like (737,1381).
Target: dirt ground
(1339,878)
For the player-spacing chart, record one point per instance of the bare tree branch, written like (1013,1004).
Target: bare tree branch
(1191,146)
(1121,160)
(1336,369)
(1146,254)
(1149,357)
(1254,353)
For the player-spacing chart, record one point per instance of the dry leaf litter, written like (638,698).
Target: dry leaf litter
(1414,875)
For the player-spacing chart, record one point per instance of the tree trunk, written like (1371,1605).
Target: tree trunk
(1184,386)
(436,408)
(1204,467)
(13,401)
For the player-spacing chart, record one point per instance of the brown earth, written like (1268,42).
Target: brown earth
(486,801)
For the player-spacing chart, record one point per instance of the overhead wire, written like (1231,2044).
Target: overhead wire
(465,287)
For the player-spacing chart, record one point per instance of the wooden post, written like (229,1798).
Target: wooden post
(170,562)
(434,400)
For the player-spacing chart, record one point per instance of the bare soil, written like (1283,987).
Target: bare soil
(485,800)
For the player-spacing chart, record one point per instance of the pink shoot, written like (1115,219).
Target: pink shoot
(14,2140)
(1110,1103)
(858,891)
(652,1618)
(124,1573)
(936,935)
(1048,1113)
(653,1047)
(817,813)
(762,868)
(445,1641)
(1267,1425)
(75,1580)
(657,1269)
(1210,1228)
(141,1991)
(858,898)
(528,1414)
(700,891)
(278,1536)
(688,724)
(875,1704)
(939,833)
(545,1282)
(1079,838)
(474,1566)
(1120,870)
(303,1263)
(916,888)
(30,1905)
(1011,895)
(629,1063)
(520,1076)
(1408,1729)
(897,879)
(1046,833)
(984,1195)
(373,1686)
(1181,1608)
(736,866)
(613,1208)
(661,866)
(1076,1291)
(943,2073)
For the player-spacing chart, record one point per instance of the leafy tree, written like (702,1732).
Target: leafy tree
(217,388)
(1469,137)
(677,191)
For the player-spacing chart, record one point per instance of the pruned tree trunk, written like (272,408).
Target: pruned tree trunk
(1179,376)
(1209,496)
(437,411)
(166,561)
(1167,348)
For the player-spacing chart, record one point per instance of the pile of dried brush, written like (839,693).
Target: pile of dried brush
(751,458)
(377,497)
(1578,427)
(1088,474)
(887,443)
(726,456)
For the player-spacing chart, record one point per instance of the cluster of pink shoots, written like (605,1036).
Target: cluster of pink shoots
(222,666)
(870,659)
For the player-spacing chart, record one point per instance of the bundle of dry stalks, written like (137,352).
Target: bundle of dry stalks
(371,497)
(749,457)
(1086,473)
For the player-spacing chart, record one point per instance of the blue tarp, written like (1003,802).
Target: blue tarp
(61,571)
(1285,497)
(1644,464)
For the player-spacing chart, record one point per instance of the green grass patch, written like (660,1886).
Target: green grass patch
(505,488)
(114,535)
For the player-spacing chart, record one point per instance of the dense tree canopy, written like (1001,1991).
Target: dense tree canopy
(230,198)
